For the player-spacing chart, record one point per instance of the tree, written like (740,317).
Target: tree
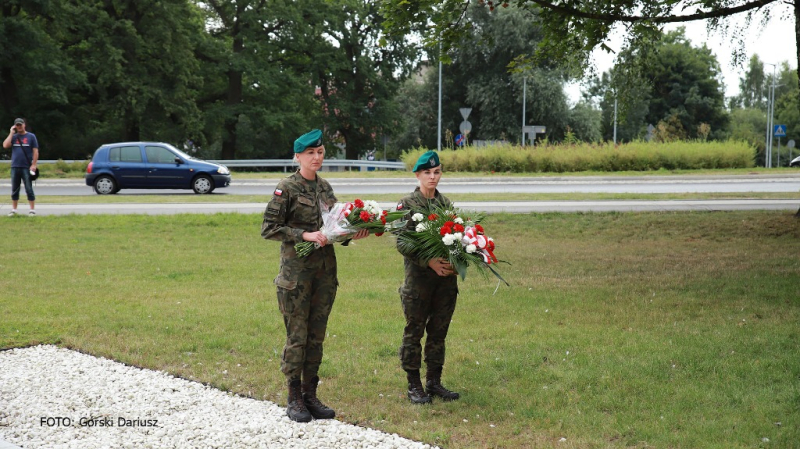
(478,77)
(358,79)
(753,88)
(266,98)
(574,28)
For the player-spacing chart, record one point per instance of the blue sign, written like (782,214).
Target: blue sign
(460,140)
(780,130)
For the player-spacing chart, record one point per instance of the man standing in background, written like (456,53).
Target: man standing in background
(24,156)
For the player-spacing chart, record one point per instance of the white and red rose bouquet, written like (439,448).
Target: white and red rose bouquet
(451,234)
(343,220)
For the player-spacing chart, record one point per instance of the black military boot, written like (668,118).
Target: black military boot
(315,406)
(296,409)
(415,391)
(434,387)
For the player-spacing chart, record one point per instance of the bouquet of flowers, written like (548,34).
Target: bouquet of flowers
(447,234)
(341,221)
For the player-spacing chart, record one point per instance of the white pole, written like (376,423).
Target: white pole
(439,126)
(770,115)
(524,92)
(766,136)
(615,120)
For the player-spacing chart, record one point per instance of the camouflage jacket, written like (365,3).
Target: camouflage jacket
(413,203)
(293,210)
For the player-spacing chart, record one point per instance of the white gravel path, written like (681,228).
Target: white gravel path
(49,397)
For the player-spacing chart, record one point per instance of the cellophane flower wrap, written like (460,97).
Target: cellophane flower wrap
(343,220)
(451,234)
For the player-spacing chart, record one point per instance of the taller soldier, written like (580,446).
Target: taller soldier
(428,294)
(306,286)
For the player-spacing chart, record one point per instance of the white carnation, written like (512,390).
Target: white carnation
(458,220)
(417,217)
(449,239)
(372,207)
(421,227)
(471,248)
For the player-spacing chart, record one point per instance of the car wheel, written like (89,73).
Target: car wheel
(105,185)
(203,184)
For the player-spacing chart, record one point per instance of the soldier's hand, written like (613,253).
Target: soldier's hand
(317,237)
(441,266)
(361,234)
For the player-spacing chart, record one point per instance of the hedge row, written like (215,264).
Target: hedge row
(560,158)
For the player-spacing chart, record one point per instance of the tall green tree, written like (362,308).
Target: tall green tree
(574,28)
(35,76)
(261,97)
(359,70)
(482,74)
(753,87)
(139,62)
(686,84)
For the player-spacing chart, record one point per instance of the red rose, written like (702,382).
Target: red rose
(445,230)
(458,228)
(359,203)
(432,217)
(364,216)
(449,224)
(384,213)
(479,229)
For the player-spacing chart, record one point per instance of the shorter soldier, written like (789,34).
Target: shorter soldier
(306,286)
(428,294)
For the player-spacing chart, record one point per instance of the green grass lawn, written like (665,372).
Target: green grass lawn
(667,330)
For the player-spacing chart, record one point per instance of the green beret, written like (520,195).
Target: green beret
(426,161)
(311,139)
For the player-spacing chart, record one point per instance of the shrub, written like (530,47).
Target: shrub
(576,157)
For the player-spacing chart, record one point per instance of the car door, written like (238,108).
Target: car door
(127,165)
(164,170)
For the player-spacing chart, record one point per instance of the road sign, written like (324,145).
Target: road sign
(780,131)
(460,140)
(465,127)
(534,129)
(465,112)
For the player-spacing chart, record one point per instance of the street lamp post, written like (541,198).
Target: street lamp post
(524,92)
(770,112)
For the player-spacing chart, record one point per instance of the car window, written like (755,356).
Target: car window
(125,154)
(159,155)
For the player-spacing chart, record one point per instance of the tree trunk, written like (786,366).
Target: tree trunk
(797,46)
(234,102)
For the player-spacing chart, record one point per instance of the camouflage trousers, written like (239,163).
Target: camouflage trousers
(305,303)
(428,305)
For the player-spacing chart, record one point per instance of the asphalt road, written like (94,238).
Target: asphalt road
(498,184)
(347,187)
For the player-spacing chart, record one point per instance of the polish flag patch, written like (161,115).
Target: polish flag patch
(278,192)
(399,206)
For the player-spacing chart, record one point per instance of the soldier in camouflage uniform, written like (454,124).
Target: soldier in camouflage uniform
(428,294)
(306,286)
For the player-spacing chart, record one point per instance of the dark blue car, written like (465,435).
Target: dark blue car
(151,165)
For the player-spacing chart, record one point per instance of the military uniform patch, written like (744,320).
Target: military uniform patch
(278,192)
(399,206)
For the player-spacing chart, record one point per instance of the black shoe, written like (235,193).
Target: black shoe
(317,409)
(418,395)
(415,391)
(435,388)
(295,407)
